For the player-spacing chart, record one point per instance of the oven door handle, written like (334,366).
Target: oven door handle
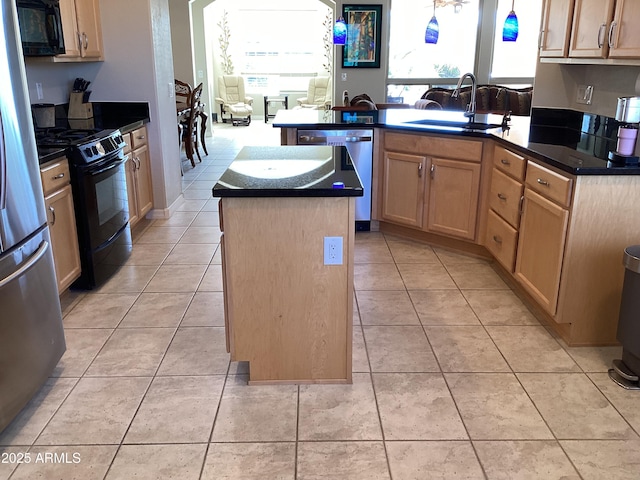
(107,168)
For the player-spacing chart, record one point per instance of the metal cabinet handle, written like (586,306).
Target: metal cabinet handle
(53,215)
(497,239)
(502,196)
(79,41)
(420,170)
(611,29)
(141,137)
(521,206)
(542,182)
(136,162)
(504,161)
(58,177)
(432,170)
(540,35)
(601,32)
(86,41)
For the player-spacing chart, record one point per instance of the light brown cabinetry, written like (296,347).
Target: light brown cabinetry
(505,203)
(403,188)
(138,171)
(61,219)
(590,29)
(422,189)
(556,28)
(82,30)
(286,313)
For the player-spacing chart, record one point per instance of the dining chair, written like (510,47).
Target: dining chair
(182,91)
(190,126)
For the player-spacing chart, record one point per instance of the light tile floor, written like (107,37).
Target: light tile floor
(453,377)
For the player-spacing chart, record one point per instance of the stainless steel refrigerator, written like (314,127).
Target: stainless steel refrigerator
(31,334)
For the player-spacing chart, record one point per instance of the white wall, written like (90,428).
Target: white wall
(181,40)
(138,67)
(557,85)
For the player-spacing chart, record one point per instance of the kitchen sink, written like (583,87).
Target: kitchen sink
(465,125)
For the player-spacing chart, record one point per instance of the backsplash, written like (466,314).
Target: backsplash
(586,132)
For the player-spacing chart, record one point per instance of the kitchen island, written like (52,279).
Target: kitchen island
(287,216)
(539,197)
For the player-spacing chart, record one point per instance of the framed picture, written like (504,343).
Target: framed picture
(364,27)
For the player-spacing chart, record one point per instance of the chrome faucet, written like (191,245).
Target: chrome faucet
(471,107)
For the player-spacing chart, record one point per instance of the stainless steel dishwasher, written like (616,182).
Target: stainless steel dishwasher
(359,143)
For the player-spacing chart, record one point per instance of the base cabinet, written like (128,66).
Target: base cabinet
(453,197)
(403,188)
(543,231)
(138,171)
(62,221)
(421,189)
(286,312)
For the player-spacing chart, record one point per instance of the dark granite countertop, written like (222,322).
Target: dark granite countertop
(290,171)
(46,154)
(574,142)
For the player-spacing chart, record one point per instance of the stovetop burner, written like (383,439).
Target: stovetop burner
(85,145)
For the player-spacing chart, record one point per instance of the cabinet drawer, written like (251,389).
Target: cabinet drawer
(552,185)
(470,150)
(138,137)
(501,240)
(509,162)
(505,197)
(54,175)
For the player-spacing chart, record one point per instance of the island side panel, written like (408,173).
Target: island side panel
(292,314)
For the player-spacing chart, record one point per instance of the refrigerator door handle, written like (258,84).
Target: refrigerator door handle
(30,263)
(3,168)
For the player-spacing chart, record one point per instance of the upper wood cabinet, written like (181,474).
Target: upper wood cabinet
(556,28)
(591,27)
(625,34)
(82,31)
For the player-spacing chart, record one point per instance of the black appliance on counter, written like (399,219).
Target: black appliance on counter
(98,182)
(40,27)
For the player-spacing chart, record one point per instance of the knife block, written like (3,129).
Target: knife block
(77,108)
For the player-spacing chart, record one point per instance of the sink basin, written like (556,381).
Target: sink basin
(465,125)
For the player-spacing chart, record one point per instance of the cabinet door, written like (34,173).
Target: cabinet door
(591,20)
(543,230)
(556,28)
(453,197)
(89,28)
(143,180)
(403,188)
(64,238)
(69,29)
(624,38)
(130,170)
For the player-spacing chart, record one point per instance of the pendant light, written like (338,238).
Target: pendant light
(510,29)
(433,29)
(340,32)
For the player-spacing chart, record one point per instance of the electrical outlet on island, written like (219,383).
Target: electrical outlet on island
(333,250)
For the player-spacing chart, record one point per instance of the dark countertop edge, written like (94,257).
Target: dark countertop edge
(130,127)
(53,154)
(293,192)
(622,170)
(492,134)
(495,134)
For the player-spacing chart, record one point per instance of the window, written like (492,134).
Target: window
(454,54)
(517,59)
(276,45)
(465,37)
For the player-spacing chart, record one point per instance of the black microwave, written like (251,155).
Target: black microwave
(40,27)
